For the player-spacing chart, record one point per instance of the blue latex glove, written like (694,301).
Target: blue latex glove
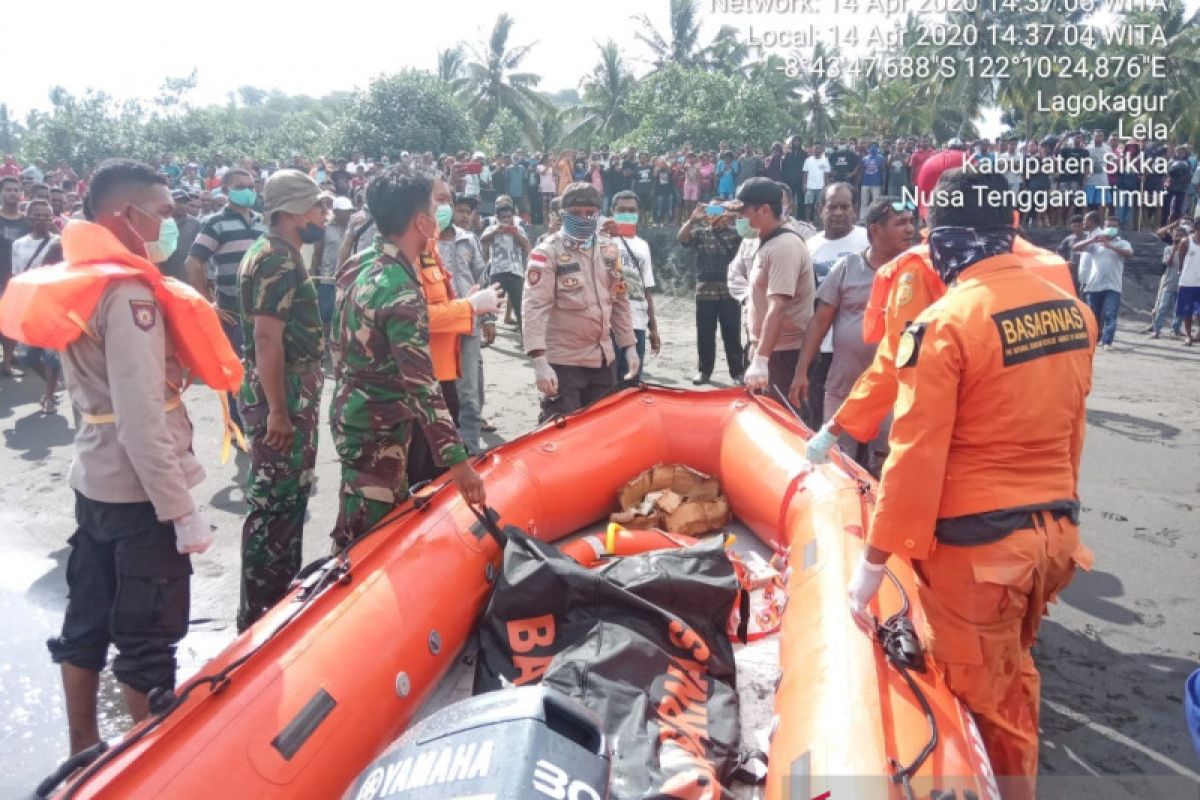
(820,444)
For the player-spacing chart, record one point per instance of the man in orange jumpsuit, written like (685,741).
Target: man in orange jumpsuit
(980,487)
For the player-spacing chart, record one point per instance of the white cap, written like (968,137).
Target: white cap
(342,204)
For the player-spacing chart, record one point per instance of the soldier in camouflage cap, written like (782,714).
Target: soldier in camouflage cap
(385,378)
(281,394)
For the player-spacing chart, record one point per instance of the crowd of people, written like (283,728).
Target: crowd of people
(391,277)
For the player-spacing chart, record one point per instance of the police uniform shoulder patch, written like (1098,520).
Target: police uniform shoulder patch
(532,276)
(1042,329)
(909,346)
(145,313)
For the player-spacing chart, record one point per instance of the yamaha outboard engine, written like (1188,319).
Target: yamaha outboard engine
(520,743)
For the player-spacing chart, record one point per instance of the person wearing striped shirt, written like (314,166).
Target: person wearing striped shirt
(212,262)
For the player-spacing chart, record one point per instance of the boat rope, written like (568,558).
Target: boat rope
(898,638)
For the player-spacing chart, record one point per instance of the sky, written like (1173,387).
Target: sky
(128,47)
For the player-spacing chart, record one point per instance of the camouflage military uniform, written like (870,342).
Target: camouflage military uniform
(273,282)
(385,385)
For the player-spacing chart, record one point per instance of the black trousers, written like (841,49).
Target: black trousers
(126,586)
(514,289)
(577,387)
(726,312)
(814,412)
(421,466)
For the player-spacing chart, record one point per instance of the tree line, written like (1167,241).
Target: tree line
(697,89)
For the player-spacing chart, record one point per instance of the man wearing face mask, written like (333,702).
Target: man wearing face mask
(463,258)
(576,300)
(1102,274)
(212,262)
(128,570)
(281,392)
(711,233)
(780,301)
(980,489)
(388,393)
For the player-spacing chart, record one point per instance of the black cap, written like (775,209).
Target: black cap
(756,192)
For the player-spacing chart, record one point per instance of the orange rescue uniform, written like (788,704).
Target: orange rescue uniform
(902,289)
(448,318)
(980,487)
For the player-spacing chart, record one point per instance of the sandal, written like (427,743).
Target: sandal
(487,427)
(49,405)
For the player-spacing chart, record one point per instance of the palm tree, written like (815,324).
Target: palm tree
(603,113)
(1181,56)
(727,52)
(491,81)
(821,91)
(450,63)
(682,43)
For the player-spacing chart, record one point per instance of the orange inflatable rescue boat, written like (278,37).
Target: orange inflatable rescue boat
(368,642)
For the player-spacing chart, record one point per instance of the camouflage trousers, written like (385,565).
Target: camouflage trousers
(374,476)
(277,490)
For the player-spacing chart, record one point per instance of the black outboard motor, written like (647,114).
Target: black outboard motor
(515,743)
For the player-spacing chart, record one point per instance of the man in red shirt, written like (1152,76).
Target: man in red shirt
(922,154)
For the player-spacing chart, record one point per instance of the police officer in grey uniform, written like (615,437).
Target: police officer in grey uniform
(575,299)
(128,571)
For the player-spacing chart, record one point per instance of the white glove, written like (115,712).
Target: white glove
(192,533)
(633,362)
(820,444)
(757,375)
(547,381)
(484,301)
(864,584)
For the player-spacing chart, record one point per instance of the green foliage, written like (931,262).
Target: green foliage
(409,110)
(492,81)
(504,135)
(677,105)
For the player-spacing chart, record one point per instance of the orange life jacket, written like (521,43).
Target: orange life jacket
(49,306)
(449,318)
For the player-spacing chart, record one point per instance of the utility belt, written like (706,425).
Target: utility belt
(992,526)
(111,419)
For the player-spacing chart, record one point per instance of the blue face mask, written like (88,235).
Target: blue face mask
(243,197)
(626,219)
(744,230)
(444,215)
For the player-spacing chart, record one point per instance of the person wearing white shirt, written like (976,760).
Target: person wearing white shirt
(1188,305)
(816,168)
(839,237)
(1105,272)
(40,246)
(638,272)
